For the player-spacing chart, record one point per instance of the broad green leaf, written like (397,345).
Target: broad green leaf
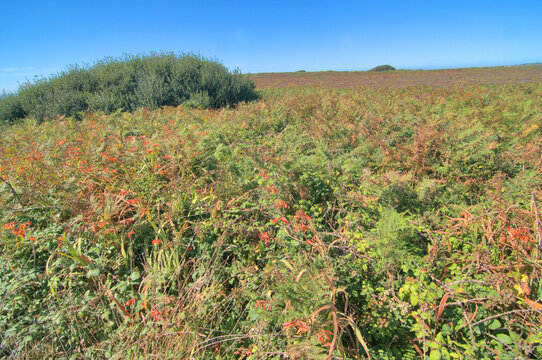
(134,276)
(435,355)
(414,299)
(495,324)
(505,339)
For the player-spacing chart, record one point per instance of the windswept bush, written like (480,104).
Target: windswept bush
(127,84)
(382,68)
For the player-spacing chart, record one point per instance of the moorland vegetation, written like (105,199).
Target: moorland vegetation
(314,223)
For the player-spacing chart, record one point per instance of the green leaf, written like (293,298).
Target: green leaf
(505,339)
(135,275)
(435,355)
(93,273)
(414,299)
(495,324)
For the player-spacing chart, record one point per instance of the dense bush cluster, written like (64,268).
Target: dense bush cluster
(382,68)
(314,224)
(127,84)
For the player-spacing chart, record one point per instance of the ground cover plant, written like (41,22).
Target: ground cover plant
(315,223)
(128,83)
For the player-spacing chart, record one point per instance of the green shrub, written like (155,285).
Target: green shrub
(382,68)
(127,84)
(10,108)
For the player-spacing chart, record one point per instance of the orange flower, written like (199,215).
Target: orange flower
(265,238)
(520,234)
(289,324)
(243,351)
(282,218)
(155,315)
(130,302)
(156,241)
(21,231)
(323,337)
(264,304)
(9,226)
(301,326)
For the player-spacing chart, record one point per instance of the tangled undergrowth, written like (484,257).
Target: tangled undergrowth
(313,224)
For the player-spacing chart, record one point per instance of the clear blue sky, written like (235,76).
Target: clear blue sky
(43,37)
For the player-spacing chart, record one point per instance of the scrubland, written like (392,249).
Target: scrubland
(314,223)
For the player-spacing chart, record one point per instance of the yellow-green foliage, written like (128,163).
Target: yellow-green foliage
(127,84)
(314,223)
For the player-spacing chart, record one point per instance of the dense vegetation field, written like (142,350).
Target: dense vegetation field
(401,78)
(382,223)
